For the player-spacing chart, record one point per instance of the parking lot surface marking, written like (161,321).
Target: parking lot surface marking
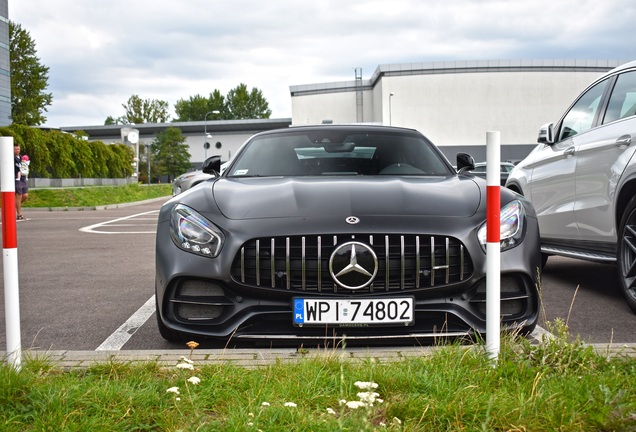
(118,339)
(95,228)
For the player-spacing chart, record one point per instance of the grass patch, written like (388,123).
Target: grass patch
(557,385)
(94,195)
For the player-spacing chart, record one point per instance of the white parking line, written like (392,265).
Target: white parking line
(118,339)
(94,228)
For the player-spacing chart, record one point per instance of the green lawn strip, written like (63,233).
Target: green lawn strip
(556,385)
(94,195)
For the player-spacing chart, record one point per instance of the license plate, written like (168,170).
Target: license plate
(361,311)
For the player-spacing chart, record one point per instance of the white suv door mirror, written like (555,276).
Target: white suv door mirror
(546,134)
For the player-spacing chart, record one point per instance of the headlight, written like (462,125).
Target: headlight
(512,218)
(193,233)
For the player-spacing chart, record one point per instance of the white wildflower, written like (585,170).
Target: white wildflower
(174,390)
(187,360)
(368,397)
(265,404)
(250,424)
(290,404)
(355,404)
(342,401)
(397,421)
(330,411)
(194,380)
(178,398)
(185,366)
(365,385)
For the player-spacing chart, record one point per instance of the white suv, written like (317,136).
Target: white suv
(581,178)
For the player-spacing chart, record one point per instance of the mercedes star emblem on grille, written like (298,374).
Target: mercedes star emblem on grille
(352,220)
(353,265)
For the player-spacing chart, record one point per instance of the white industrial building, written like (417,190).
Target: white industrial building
(454,103)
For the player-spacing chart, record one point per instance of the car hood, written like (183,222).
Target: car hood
(256,198)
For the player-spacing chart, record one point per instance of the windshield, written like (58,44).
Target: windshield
(335,152)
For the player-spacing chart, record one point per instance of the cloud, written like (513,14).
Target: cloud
(99,54)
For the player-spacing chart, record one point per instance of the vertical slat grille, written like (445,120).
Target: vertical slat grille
(417,261)
(319,263)
(287,264)
(402,262)
(257,254)
(301,263)
(272,262)
(387,263)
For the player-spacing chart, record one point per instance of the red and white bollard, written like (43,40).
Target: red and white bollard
(10,253)
(493,248)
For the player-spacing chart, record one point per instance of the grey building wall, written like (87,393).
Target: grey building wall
(5,78)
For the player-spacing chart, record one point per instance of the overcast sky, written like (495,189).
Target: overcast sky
(102,52)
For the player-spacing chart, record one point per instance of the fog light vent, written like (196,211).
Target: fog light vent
(511,284)
(513,296)
(197,288)
(511,307)
(189,311)
(198,300)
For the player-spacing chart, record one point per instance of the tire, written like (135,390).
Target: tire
(626,259)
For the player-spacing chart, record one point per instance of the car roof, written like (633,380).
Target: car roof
(622,67)
(341,127)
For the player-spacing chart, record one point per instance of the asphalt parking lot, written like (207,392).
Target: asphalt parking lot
(87,283)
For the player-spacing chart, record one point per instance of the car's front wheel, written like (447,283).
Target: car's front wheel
(627,253)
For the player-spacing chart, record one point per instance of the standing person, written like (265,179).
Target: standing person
(21,187)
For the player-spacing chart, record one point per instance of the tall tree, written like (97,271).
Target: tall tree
(195,108)
(140,111)
(242,104)
(29,79)
(171,155)
(110,120)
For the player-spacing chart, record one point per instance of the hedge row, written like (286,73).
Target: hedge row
(56,154)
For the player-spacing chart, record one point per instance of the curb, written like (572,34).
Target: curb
(104,207)
(251,358)
(244,357)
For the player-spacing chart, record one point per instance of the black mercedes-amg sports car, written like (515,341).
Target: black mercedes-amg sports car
(324,233)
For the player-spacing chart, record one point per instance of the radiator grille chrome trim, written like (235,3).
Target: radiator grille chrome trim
(301,263)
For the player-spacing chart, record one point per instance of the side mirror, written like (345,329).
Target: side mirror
(546,134)
(212,165)
(465,162)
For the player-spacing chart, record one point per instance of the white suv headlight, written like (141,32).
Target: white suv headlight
(193,233)
(512,218)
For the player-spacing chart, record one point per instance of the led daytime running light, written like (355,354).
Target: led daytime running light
(193,233)
(511,222)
